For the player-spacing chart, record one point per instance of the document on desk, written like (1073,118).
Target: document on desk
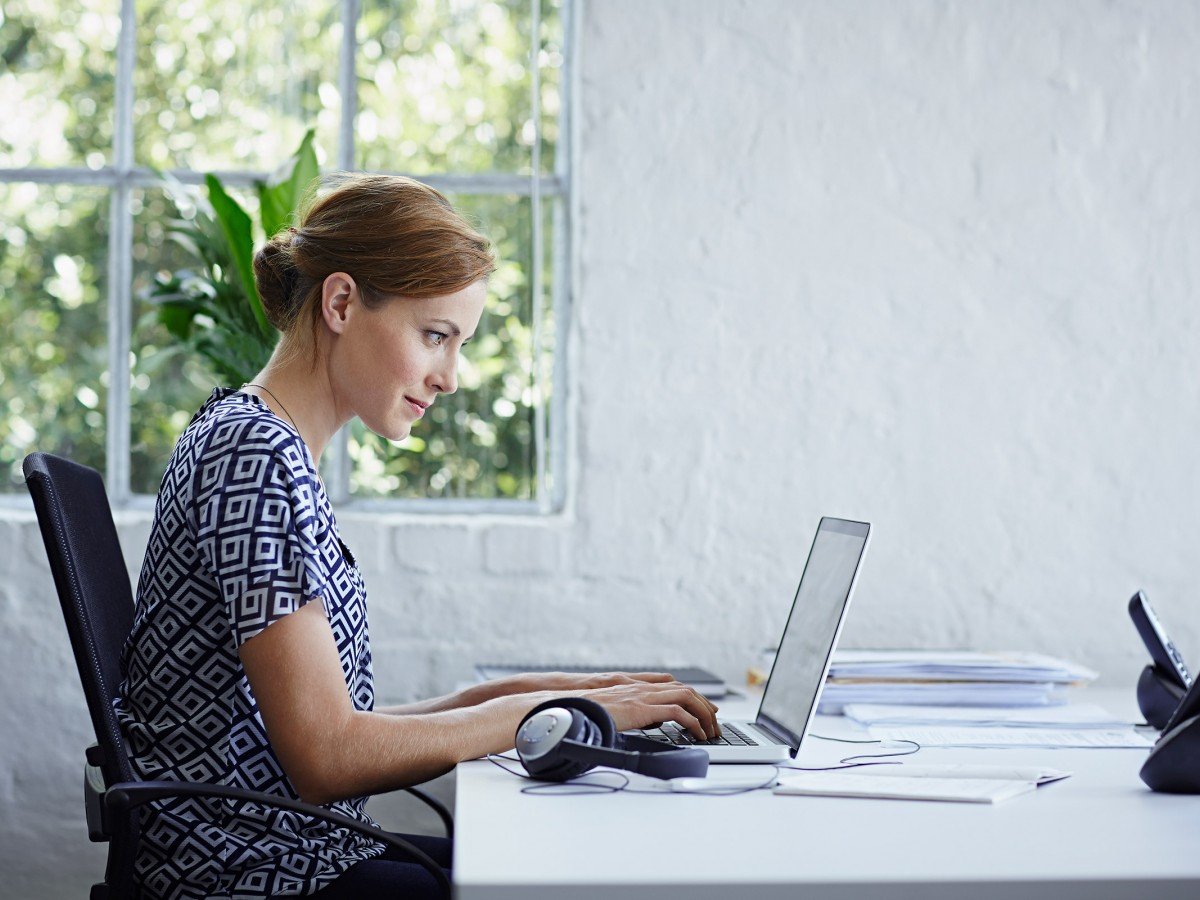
(900,787)
(838,695)
(948,678)
(1072,716)
(1037,774)
(953,736)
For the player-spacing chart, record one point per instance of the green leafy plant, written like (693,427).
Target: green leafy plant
(214,309)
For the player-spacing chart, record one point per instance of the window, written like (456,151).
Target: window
(467,95)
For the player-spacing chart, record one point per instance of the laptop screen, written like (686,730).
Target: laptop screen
(812,628)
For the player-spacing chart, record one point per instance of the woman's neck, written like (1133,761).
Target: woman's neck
(299,392)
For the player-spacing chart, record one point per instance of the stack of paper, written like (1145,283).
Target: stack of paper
(838,695)
(948,678)
(1078,725)
(951,736)
(946,665)
(1077,715)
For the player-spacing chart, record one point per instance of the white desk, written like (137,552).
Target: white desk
(1099,834)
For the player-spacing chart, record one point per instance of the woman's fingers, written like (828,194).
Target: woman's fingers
(681,686)
(606,679)
(640,705)
(699,721)
(653,677)
(705,708)
(691,723)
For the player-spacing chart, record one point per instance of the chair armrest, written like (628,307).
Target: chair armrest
(437,806)
(93,803)
(125,796)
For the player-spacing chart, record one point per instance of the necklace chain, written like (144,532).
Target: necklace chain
(276,399)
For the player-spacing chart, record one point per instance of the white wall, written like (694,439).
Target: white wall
(929,264)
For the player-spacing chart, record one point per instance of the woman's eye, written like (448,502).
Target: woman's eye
(436,337)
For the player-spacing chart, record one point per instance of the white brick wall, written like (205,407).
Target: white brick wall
(926,263)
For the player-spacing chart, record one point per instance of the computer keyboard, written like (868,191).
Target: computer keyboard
(670,733)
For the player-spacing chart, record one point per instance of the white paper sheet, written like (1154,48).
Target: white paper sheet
(949,736)
(958,790)
(1075,715)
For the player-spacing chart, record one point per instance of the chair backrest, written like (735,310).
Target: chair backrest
(93,588)
(97,603)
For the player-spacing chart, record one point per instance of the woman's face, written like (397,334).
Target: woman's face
(390,363)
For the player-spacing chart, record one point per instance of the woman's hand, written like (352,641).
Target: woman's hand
(641,704)
(635,703)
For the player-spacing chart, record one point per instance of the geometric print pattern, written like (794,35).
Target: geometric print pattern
(243,535)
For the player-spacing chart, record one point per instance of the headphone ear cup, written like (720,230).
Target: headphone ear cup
(556,764)
(590,724)
(592,712)
(590,730)
(597,715)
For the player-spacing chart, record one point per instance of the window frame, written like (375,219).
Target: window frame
(122,177)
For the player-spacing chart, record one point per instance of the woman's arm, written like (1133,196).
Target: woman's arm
(526,683)
(331,751)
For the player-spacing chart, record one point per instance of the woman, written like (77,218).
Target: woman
(249,662)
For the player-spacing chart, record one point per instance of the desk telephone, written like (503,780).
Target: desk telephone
(1169,698)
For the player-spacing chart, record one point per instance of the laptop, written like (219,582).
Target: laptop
(793,689)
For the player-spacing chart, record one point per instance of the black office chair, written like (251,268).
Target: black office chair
(93,588)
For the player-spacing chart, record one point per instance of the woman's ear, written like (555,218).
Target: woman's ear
(339,297)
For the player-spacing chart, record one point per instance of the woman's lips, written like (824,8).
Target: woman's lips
(417,406)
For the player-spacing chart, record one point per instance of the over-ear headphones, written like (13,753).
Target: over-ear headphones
(561,739)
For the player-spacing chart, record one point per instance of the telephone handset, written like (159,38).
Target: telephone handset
(1164,682)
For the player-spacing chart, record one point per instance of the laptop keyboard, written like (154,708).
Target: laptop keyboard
(670,733)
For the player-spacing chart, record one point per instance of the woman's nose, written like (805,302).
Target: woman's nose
(445,379)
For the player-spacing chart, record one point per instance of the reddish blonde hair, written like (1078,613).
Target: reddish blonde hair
(394,236)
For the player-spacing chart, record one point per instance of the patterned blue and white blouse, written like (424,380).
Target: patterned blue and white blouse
(243,535)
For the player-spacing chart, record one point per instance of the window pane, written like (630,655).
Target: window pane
(235,86)
(168,382)
(53,362)
(444,87)
(57,70)
(554,228)
(550,63)
(478,442)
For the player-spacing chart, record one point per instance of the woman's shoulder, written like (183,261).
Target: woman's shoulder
(236,435)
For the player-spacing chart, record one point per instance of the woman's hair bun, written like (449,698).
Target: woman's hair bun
(395,237)
(275,275)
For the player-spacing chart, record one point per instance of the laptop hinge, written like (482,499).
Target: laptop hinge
(777,731)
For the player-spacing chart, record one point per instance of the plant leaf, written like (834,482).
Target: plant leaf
(281,195)
(235,225)
(176,316)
